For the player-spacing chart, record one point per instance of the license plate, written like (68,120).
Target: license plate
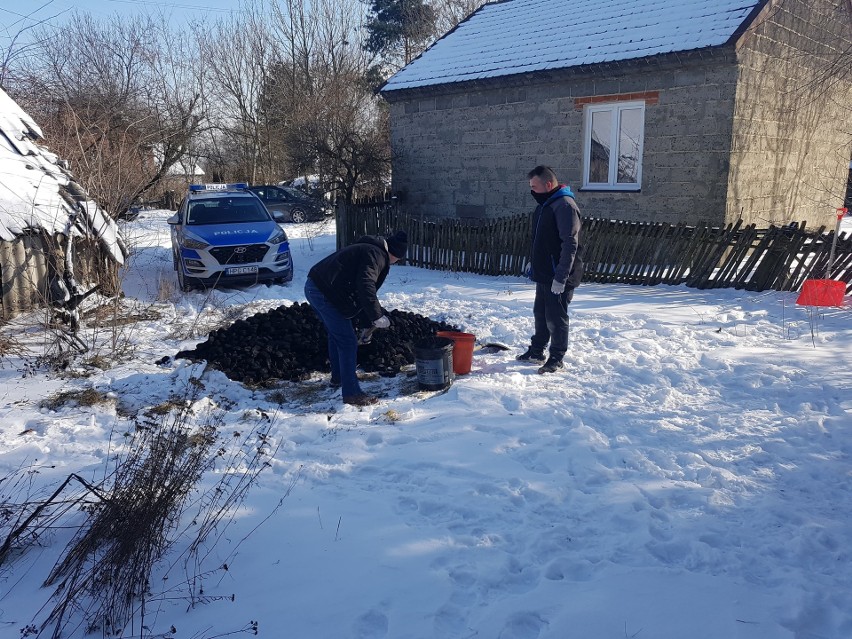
(240,270)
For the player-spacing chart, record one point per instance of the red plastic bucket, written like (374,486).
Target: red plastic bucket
(822,293)
(462,350)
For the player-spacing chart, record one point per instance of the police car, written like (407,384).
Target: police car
(223,234)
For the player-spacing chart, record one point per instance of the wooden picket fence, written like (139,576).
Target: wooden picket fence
(646,253)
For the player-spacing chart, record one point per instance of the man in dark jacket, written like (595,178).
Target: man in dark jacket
(342,288)
(555,266)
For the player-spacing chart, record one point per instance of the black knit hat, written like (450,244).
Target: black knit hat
(398,244)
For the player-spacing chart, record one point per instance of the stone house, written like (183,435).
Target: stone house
(703,111)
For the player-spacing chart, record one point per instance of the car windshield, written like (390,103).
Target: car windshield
(226,211)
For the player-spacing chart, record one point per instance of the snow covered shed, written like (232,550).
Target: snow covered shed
(652,110)
(41,206)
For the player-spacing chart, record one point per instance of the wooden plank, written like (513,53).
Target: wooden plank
(645,252)
(728,244)
(740,245)
(597,250)
(693,243)
(711,257)
(791,261)
(669,253)
(616,253)
(759,254)
(732,272)
(630,252)
(626,231)
(803,255)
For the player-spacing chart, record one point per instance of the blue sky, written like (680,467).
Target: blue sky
(15,14)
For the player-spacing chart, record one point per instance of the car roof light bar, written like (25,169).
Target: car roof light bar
(237,186)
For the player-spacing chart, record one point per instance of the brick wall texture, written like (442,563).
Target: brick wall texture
(793,118)
(737,131)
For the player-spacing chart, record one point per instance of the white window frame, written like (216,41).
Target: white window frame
(615,109)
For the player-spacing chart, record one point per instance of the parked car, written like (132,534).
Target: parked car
(222,234)
(293,203)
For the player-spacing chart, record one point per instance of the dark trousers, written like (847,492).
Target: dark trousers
(342,341)
(551,320)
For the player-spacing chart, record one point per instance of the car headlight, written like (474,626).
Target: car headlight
(192,243)
(278,237)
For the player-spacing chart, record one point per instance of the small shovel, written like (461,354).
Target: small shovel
(490,348)
(365,336)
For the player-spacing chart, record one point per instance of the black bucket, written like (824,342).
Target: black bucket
(433,358)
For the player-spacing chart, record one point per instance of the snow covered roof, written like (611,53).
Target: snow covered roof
(185,168)
(522,36)
(32,183)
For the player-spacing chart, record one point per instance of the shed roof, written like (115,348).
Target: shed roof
(522,36)
(32,183)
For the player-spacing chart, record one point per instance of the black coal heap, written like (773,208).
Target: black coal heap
(290,343)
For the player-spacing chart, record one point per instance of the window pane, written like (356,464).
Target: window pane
(629,133)
(599,152)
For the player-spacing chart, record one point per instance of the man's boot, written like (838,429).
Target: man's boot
(531,356)
(552,365)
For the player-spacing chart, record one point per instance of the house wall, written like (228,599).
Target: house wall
(28,263)
(24,273)
(791,134)
(465,151)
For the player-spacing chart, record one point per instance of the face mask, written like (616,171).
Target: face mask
(541,198)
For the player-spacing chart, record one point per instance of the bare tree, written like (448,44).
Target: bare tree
(268,92)
(119,99)
(450,13)
(327,117)
(17,47)
(239,53)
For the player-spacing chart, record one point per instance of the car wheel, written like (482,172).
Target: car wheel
(183,283)
(175,260)
(298,215)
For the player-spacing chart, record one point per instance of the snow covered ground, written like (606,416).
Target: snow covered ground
(687,475)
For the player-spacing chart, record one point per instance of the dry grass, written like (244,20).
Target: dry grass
(114,315)
(166,286)
(106,568)
(97,361)
(11,347)
(278,397)
(170,405)
(85,397)
(147,499)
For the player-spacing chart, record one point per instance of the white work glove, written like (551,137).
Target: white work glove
(382,322)
(557,288)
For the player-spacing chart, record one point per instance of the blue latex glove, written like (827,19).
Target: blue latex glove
(557,288)
(382,322)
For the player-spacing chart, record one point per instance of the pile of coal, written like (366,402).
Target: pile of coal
(392,348)
(290,343)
